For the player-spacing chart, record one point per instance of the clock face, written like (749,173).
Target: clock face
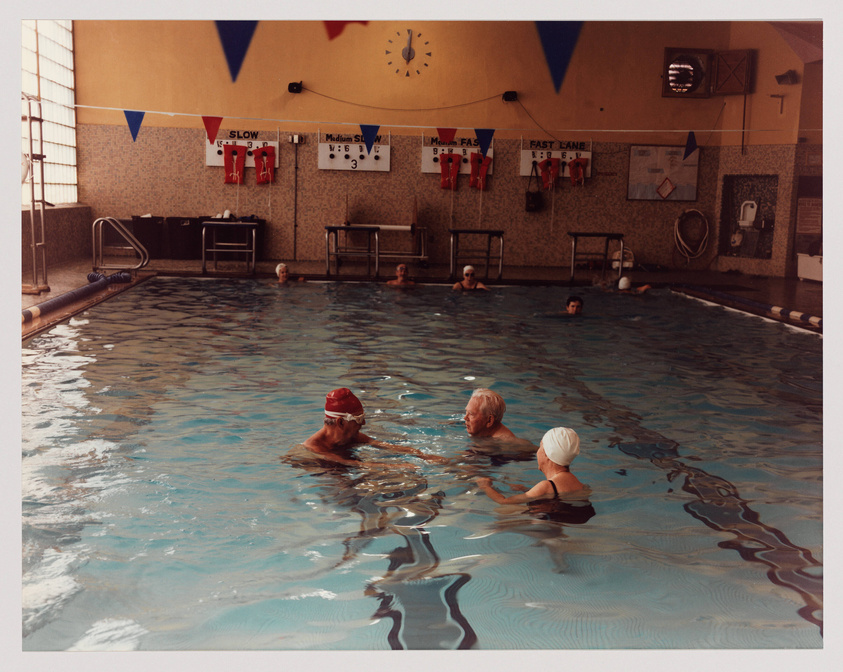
(408,53)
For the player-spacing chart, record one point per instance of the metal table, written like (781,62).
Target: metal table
(490,234)
(575,235)
(335,250)
(247,245)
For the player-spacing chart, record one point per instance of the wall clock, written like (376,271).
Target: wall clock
(408,53)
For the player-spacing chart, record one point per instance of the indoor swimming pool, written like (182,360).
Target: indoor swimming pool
(166,506)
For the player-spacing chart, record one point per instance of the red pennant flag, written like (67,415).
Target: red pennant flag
(334,28)
(212,127)
(446,135)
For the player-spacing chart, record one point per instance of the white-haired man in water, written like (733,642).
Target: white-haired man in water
(484,415)
(344,417)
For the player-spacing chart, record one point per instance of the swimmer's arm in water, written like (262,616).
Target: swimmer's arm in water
(353,462)
(408,450)
(541,490)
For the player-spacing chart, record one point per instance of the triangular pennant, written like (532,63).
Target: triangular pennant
(236,36)
(369,134)
(690,145)
(558,40)
(212,127)
(446,135)
(134,120)
(484,136)
(334,28)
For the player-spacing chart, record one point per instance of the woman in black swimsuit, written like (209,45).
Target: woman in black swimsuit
(557,450)
(468,282)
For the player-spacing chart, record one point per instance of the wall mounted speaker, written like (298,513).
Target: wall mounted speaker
(686,73)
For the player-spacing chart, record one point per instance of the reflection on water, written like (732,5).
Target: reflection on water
(422,602)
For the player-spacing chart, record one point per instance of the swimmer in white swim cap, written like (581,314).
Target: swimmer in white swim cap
(625,287)
(469,281)
(557,450)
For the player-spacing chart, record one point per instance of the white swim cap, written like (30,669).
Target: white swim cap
(624,283)
(561,445)
(279,267)
(466,269)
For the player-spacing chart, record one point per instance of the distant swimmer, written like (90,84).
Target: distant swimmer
(283,274)
(401,277)
(625,287)
(557,450)
(469,281)
(340,433)
(574,305)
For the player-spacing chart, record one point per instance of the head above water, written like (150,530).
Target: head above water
(624,283)
(574,305)
(484,412)
(468,271)
(561,445)
(341,403)
(282,271)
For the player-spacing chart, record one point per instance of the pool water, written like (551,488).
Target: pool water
(167,507)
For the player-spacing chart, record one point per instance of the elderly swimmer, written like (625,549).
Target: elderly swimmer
(344,417)
(283,274)
(484,415)
(469,282)
(557,450)
(401,277)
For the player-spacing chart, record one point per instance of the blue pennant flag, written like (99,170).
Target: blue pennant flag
(690,145)
(134,119)
(236,36)
(369,134)
(484,137)
(558,40)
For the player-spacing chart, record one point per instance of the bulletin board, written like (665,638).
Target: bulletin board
(659,173)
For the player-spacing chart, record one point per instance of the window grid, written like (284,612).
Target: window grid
(47,72)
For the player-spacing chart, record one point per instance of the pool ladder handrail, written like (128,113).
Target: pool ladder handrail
(133,244)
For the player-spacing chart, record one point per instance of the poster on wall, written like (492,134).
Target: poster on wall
(659,173)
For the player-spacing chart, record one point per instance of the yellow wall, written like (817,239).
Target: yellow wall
(176,72)
(613,83)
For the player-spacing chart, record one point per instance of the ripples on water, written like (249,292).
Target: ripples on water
(163,507)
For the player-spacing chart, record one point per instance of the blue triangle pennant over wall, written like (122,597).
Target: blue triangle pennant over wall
(236,36)
(134,119)
(558,40)
(369,134)
(484,137)
(690,145)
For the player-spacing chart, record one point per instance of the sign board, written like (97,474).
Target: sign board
(214,152)
(528,156)
(463,147)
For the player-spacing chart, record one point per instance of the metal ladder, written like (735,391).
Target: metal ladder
(35,174)
(133,244)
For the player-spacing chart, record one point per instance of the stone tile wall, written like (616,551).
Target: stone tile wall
(164,173)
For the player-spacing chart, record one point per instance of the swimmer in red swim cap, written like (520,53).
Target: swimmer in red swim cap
(340,433)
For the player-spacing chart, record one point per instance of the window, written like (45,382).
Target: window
(47,75)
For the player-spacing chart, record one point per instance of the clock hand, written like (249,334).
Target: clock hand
(408,52)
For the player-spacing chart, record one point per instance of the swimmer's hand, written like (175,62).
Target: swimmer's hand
(483,481)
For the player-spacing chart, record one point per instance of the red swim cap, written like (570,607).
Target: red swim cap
(342,400)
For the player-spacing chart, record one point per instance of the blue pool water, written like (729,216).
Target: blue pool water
(165,507)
